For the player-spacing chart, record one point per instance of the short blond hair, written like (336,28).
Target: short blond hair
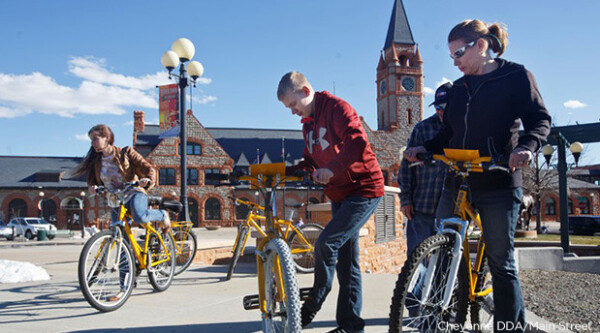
(291,82)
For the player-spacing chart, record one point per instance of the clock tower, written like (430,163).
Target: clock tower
(399,78)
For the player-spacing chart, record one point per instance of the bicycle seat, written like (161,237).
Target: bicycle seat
(171,205)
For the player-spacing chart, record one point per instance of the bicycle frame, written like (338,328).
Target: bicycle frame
(458,226)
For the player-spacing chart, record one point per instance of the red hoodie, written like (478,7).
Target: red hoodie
(335,139)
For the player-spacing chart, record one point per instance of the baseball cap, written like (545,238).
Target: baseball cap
(441,94)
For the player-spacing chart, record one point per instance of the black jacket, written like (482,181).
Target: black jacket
(494,105)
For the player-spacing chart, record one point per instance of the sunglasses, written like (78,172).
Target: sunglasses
(440,106)
(461,51)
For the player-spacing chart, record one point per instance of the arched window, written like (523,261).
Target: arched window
(404,61)
(212,209)
(550,204)
(17,208)
(49,211)
(570,207)
(193,211)
(584,205)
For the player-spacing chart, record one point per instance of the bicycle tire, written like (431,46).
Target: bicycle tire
(99,282)
(305,262)
(287,310)
(419,317)
(161,276)
(186,255)
(482,309)
(240,240)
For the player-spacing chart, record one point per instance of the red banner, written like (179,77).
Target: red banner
(168,110)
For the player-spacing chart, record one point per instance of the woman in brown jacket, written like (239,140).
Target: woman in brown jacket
(112,167)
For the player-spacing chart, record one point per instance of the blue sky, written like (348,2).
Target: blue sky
(68,65)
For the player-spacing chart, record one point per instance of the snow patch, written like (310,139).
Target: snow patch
(18,271)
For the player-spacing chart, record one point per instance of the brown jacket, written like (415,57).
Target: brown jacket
(133,167)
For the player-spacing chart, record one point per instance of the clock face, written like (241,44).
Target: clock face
(382,88)
(408,83)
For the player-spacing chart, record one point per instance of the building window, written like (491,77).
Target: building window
(192,176)
(193,211)
(49,210)
(385,178)
(385,220)
(409,116)
(584,205)
(212,209)
(166,176)
(570,207)
(193,148)
(550,204)
(210,181)
(17,208)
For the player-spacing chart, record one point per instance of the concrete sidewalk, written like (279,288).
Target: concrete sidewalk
(199,300)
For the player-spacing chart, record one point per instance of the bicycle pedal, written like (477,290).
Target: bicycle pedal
(251,302)
(304,293)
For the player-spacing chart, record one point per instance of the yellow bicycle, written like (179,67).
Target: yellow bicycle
(278,295)
(111,260)
(300,237)
(439,280)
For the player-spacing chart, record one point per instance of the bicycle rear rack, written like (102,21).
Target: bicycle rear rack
(251,302)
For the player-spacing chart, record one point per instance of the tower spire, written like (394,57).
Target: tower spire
(399,30)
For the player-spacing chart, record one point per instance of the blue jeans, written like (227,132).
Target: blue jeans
(418,229)
(138,206)
(499,212)
(337,250)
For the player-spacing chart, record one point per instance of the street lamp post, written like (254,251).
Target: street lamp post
(181,52)
(82,218)
(576,148)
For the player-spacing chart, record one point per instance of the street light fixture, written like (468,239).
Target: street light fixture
(182,51)
(576,148)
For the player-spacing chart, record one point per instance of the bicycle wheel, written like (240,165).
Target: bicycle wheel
(186,246)
(106,269)
(411,311)
(161,275)
(482,310)
(304,259)
(240,240)
(283,311)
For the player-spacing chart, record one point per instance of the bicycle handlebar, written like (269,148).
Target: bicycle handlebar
(477,165)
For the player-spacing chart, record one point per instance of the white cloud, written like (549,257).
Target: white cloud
(431,91)
(100,92)
(574,104)
(428,91)
(82,137)
(204,99)
(128,123)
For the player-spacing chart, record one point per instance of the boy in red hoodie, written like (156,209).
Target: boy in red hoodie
(338,154)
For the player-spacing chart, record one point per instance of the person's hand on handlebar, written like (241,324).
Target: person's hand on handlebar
(411,153)
(322,175)
(519,158)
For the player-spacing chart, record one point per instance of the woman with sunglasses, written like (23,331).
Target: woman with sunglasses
(486,108)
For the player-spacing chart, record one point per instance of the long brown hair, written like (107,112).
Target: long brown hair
(468,30)
(86,167)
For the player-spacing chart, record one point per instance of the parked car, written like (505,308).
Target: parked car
(29,226)
(5,231)
(584,224)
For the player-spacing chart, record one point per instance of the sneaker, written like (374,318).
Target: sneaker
(117,297)
(307,315)
(339,329)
